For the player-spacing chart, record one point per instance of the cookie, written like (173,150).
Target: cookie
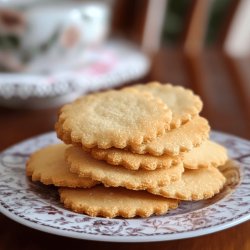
(84,165)
(113,202)
(113,119)
(194,185)
(208,154)
(49,167)
(183,103)
(175,141)
(133,161)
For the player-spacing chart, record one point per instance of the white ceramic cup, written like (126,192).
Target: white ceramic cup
(55,30)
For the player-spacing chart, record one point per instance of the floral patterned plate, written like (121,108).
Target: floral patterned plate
(38,206)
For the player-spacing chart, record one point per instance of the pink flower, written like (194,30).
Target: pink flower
(70,37)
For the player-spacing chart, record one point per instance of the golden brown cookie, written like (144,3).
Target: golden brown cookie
(113,119)
(48,166)
(84,165)
(183,103)
(206,155)
(194,185)
(175,141)
(113,202)
(133,161)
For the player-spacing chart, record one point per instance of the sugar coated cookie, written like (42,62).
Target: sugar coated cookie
(208,154)
(113,119)
(84,165)
(175,141)
(196,184)
(183,103)
(113,202)
(133,161)
(49,167)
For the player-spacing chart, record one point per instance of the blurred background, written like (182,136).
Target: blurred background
(53,51)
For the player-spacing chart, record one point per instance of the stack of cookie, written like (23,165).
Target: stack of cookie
(133,152)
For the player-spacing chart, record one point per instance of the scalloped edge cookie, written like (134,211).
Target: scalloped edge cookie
(82,164)
(113,119)
(196,184)
(120,157)
(183,103)
(113,202)
(175,141)
(48,166)
(208,154)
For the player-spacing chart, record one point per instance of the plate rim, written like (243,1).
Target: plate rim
(117,238)
(132,239)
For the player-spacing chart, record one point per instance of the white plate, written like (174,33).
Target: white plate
(38,206)
(110,65)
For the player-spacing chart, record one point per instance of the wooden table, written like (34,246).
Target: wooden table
(223,110)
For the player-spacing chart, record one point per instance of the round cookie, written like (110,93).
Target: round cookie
(175,141)
(113,202)
(194,185)
(84,165)
(48,166)
(113,119)
(183,103)
(133,161)
(208,154)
